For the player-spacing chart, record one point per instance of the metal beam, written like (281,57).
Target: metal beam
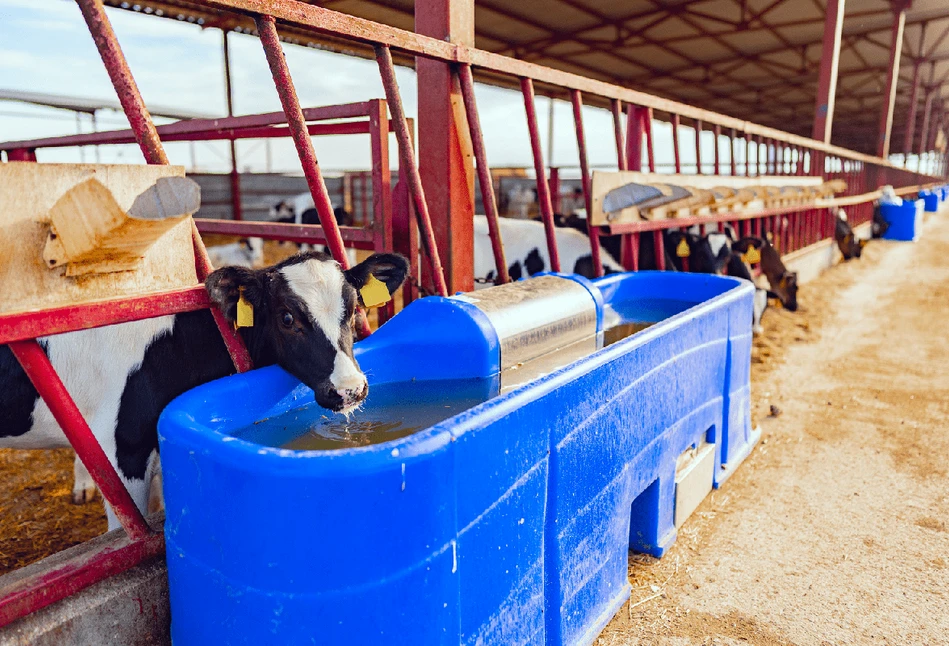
(445,159)
(827,81)
(892,77)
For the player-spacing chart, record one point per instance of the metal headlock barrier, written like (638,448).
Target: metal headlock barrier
(775,152)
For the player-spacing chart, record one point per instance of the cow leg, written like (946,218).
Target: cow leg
(138,490)
(83,488)
(156,499)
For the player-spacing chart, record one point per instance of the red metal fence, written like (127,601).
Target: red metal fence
(776,153)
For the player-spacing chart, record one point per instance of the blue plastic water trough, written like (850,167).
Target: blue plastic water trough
(930,200)
(508,523)
(905,219)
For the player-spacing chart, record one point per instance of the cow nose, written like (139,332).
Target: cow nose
(355,393)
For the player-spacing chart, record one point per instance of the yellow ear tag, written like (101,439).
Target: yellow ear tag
(682,250)
(245,312)
(752,255)
(374,293)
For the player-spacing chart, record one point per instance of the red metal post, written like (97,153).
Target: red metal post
(553,185)
(698,146)
(142,127)
(675,143)
(407,166)
(445,162)
(484,173)
(827,77)
(38,368)
(381,189)
(577,101)
(617,109)
(892,78)
(93,12)
(646,116)
(229,94)
(267,29)
(543,192)
(659,249)
(629,252)
(634,138)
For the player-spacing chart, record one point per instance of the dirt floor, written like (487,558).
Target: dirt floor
(834,531)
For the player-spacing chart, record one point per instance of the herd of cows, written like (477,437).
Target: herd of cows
(122,377)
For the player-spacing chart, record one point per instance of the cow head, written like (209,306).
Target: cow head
(303,316)
(786,290)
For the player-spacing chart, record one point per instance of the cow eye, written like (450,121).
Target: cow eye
(287,319)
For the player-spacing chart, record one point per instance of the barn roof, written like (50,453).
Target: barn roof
(757,60)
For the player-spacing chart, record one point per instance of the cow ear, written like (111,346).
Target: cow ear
(226,285)
(390,268)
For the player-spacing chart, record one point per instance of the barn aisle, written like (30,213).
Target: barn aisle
(835,530)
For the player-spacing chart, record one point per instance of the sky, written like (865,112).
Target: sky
(45,47)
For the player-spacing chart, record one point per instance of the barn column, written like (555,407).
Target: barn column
(445,158)
(892,77)
(827,80)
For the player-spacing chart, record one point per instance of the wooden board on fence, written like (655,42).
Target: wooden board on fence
(29,190)
(697,204)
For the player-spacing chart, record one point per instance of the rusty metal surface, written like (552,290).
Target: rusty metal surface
(114,60)
(407,163)
(543,189)
(576,100)
(484,174)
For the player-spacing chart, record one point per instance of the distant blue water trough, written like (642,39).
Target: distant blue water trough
(905,220)
(507,523)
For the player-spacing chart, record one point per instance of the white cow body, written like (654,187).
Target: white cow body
(238,254)
(525,249)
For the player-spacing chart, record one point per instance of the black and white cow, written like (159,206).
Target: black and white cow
(783,283)
(848,243)
(248,252)
(738,268)
(122,376)
(525,249)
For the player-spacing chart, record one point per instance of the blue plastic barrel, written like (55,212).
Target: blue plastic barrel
(904,219)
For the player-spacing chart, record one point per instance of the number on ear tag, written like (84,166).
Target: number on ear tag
(752,255)
(682,250)
(245,312)
(374,293)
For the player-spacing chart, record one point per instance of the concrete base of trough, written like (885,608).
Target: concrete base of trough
(131,609)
